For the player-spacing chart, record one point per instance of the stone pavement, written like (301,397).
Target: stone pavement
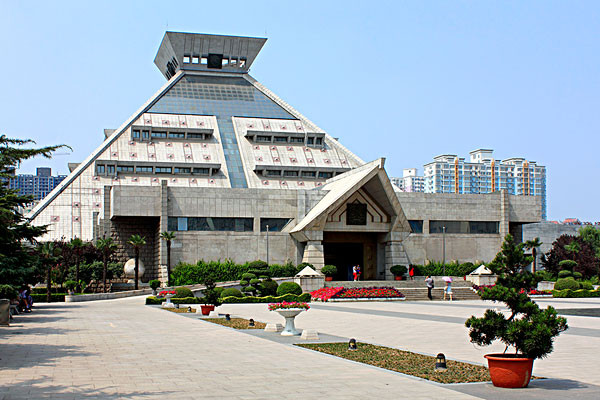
(123,349)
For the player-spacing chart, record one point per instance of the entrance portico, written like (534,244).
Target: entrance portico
(359,221)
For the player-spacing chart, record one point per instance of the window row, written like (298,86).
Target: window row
(117,169)
(286,138)
(304,174)
(216,61)
(149,134)
(225,224)
(473,227)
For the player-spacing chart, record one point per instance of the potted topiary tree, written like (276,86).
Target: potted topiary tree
(398,271)
(211,295)
(329,271)
(154,284)
(529,330)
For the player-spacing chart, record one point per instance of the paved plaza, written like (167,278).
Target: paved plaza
(123,349)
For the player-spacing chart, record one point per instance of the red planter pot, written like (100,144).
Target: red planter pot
(207,309)
(398,278)
(329,278)
(509,370)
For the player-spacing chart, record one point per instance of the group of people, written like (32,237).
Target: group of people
(356,272)
(430,286)
(25,300)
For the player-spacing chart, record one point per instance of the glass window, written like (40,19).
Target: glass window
(111,169)
(186,59)
(472,227)
(416,226)
(483,227)
(220,224)
(195,135)
(172,224)
(179,170)
(159,134)
(124,168)
(163,170)
(176,135)
(319,141)
(143,169)
(310,140)
(275,224)
(100,169)
(202,171)
(260,138)
(280,139)
(309,174)
(290,173)
(182,224)
(325,175)
(136,134)
(297,140)
(145,134)
(271,172)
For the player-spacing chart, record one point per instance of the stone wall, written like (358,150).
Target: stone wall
(121,230)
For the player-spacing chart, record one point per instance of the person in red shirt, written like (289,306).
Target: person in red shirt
(411,273)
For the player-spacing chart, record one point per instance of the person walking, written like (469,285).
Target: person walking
(448,290)
(354,273)
(429,283)
(358,272)
(411,273)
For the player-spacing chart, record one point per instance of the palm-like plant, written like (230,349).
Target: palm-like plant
(168,237)
(76,245)
(49,255)
(107,247)
(137,241)
(533,245)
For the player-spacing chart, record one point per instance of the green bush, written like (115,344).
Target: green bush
(329,270)
(219,290)
(54,297)
(577,275)
(437,269)
(267,299)
(8,292)
(289,287)
(564,273)
(231,292)
(581,293)
(398,270)
(154,284)
(258,264)
(586,285)
(93,271)
(53,289)
(268,287)
(545,275)
(248,276)
(567,265)
(244,282)
(561,293)
(566,283)
(303,265)
(249,289)
(254,282)
(70,285)
(575,293)
(282,271)
(182,292)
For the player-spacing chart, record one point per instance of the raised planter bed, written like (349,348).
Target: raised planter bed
(358,294)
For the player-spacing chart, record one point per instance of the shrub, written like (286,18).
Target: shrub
(564,273)
(231,292)
(249,289)
(254,282)
(282,271)
(8,292)
(303,265)
(567,265)
(258,264)
(54,297)
(267,299)
(244,282)
(289,287)
(181,292)
(70,285)
(329,270)
(398,270)
(248,276)
(561,293)
(577,275)
(304,297)
(566,283)
(154,284)
(437,269)
(544,275)
(581,293)
(268,287)
(586,285)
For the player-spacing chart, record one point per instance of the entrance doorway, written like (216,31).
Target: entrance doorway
(346,249)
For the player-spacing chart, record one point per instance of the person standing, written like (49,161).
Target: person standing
(411,273)
(448,290)
(354,273)
(358,272)
(429,283)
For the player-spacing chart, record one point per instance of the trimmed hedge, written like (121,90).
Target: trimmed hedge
(231,292)
(565,273)
(305,298)
(566,283)
(437,269)
(568,293)
(289,287)
(8,292)
(152,300)
(54,297)
(190,274)
(182,292)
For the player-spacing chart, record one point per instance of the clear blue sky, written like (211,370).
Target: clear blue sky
(401,80)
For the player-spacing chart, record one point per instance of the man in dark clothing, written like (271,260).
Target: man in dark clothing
(429,283)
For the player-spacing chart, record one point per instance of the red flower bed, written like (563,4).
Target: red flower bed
(166,292)
(535,292)
(369,292)
(326,293)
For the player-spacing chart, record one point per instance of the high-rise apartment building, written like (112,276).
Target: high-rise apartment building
(449,173)
(410,181)
(38,185)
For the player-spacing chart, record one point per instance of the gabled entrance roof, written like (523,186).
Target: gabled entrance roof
(372,178)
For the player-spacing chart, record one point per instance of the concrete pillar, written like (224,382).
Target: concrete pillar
(163,227)
(314,254)
(106,222)
(394,255)
(504,213)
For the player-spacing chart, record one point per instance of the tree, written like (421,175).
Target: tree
(533,245)
(107,247)
(591,236)
(77,245)
(568,247)
(528,329)
(168,237)
(137,241)
(18,261)
(49,256)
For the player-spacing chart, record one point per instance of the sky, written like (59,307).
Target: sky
(404,80)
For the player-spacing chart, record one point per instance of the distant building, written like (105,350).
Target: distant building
(449,173)
(38,185)
(410,181)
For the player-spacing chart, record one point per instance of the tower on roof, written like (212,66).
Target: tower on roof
(203,52)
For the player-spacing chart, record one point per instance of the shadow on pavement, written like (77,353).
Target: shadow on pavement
(546,389)
(18,355)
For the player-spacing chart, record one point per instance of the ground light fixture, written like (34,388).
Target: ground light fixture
(352,344)
(189,308)
(227,317)
(440,362)
(177,305)
(251,323)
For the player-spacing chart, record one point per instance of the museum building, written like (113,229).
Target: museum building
(237,173)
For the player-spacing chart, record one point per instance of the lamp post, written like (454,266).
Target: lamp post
(444,249)
(267,244)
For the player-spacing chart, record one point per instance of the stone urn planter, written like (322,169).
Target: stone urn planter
(168,303)
(206,309)
(509,370)
(289,314)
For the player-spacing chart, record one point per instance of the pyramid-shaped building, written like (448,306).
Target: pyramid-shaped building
(220,160)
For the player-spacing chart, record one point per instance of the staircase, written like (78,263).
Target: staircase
(416,290)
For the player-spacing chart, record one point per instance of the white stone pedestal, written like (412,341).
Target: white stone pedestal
(309,334)
(273,328)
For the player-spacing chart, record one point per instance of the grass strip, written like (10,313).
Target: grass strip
(236,323)
(180,310)
(405,362)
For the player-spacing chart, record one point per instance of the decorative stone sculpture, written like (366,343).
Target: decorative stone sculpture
(129,269)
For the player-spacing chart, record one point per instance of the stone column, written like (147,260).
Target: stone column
(106,222)
(504,214)
(394,252)
(314,254)
(163,227)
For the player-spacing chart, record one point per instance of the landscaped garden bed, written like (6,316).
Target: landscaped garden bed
(405,362)
(183,310)
(236,323)
(357,294)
